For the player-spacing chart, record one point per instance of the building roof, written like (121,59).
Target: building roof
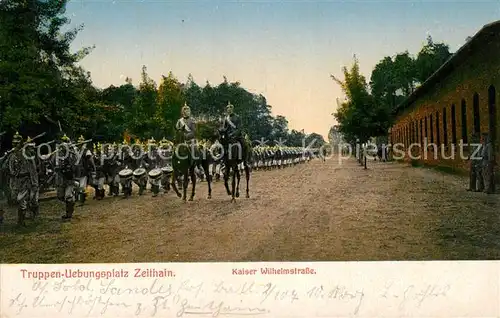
(456,59)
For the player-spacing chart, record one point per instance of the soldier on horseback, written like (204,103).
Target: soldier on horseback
(187,126)
(232,125)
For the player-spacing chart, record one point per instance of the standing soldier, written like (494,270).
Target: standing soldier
(24,179)
(65,165)
(85,169)
(476,182)
(488,162)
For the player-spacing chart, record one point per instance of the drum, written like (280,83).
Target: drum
(125,174)
(155,173)
(139,172)
(167,169)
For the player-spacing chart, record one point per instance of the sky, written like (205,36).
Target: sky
(285,50)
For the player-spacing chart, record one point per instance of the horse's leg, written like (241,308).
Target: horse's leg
(185,183)
(247,176)
(174,183)
(238,178)
(193,180)
(208,175)
(233,183)
(226,178)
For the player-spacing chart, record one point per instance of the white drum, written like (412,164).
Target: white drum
(139,172)
(125,174)
(167,169)
(155,173)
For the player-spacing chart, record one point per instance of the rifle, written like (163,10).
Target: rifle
(24,144)
(71,144)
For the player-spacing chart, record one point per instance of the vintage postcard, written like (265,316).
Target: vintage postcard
(249,158)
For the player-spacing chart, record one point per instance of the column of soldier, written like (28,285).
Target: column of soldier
(73,166)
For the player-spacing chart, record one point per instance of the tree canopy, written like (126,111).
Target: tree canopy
(42,88)
(369,108)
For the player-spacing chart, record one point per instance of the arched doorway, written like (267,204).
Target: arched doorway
(492,112)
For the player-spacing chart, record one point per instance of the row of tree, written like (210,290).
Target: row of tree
(43,89)
(369,107)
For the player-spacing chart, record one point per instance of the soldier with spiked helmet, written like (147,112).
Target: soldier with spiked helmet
(23,179)
(65,161)
(85,169)
(100,177)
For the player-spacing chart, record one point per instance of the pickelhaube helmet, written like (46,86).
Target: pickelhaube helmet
(65,138)
(186,111)
(17,139)
(229,107)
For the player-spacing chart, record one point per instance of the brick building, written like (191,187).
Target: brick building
(458,99)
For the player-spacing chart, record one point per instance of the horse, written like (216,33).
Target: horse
(231,163)
(184,161)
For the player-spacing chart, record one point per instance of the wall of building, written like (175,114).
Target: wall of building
(478,75)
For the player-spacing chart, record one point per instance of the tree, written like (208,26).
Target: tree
(170,101)
(39,76)
(430,58)
(359,116)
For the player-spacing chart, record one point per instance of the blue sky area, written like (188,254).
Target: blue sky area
(285,50)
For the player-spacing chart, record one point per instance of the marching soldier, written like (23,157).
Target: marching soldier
(140,166)
(111,169)
(66,159)
(488,162)
(23,179)
(85,168)
(166,148)
(100,178)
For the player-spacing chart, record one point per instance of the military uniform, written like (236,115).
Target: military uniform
(23,179)
(99,179)
(139,161)
(111,169)
(232,125)
(187,126)
(166,148)
(85,169)
(65,159)
(154,162)
(476,182)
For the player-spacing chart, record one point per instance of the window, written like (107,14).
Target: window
(453,125)
(477,118)
(493,112)
(445,128)
(421,131)
(438,135)
(431,124)
(417,135)
(463,110)
(426,135)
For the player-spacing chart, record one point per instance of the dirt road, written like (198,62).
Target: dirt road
(316,211)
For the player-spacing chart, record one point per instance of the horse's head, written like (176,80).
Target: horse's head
(223,136)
